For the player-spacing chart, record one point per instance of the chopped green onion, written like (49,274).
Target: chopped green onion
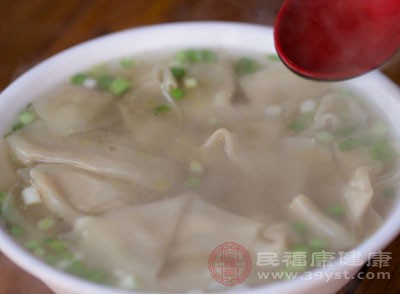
(127,62)
(351,143)
(178,72)
(302,123)
(52,259)
(245,65)
(299,227)
(317,244)
(382,150)
(32,244)
(39,252)
(294,269)
(45,224)
(17,126)
(57,245)
(325,137)
(177,93)
(196,167)
(161,108)
(80,269)
(336,210)
(16,231)
(389,193)
(194,56)
(379,129)
(3,196)
(79,78)
(119,86)
(96,276)
(273,57)
(104,81)
(193,182)
(300,248)
(345,131)
(190,83)
(26,117)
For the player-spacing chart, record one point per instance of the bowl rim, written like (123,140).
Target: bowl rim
(228,30)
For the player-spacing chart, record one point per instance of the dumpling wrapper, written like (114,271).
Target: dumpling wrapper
(75,110)
(35,144)
(201,229)
(133,239)
(70,192)
(250,172)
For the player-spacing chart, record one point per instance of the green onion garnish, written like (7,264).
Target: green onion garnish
(194,56)
(389,193)
(273,57)
(345,131)
(119,86)
(39,252)
(16,231)
(177,93)
(325,137)
(161,109)
(26,117)
(245,65)
(317,244)
(351,143)
(45,224)
(336,210)
(379,129)
(17,126)
(193,182)
(196,167)
(104,81)
(382,150)
(32,244)
(178,72)
(3,196)
(57,245)
(127,62)
(302,123)
(300,248)
(79,78)
(299,227)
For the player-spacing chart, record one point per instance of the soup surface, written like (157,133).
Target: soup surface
(133,172)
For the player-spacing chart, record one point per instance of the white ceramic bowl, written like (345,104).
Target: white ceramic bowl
(384,94)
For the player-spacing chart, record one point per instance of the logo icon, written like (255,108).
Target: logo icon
(229,264)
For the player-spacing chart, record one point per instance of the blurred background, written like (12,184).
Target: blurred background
(32,30)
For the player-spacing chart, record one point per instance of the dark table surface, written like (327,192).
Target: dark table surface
(32,30)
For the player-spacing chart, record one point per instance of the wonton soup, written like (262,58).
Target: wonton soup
(131,173)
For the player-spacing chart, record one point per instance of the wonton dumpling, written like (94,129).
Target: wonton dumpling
(332,106)
(75,110)
(358,195)
(303,208)
(35,144)
(133,239)
(201,229)
(69,192)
